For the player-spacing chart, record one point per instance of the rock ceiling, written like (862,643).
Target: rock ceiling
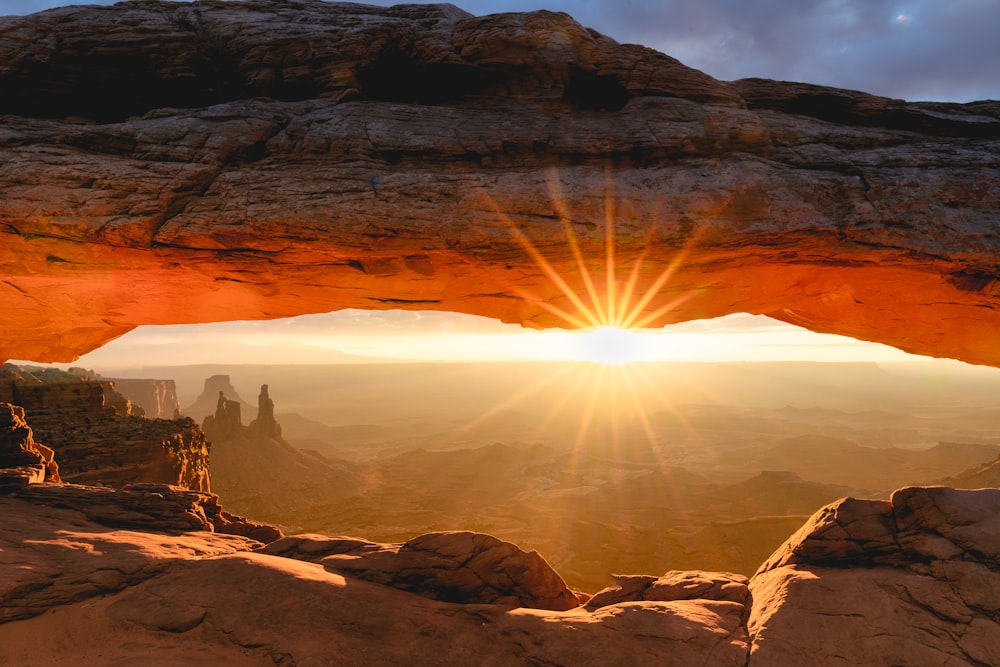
(165,163)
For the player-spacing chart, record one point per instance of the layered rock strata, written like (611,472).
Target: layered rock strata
(96,439)
(166,163)
(206,599)
(54,554)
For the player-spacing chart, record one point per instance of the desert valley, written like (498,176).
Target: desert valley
(639,469)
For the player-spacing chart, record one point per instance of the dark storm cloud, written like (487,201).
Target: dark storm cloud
(941,50)
(914,50)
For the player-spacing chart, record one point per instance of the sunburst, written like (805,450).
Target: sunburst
(607,320)
(608,303)
(608,309)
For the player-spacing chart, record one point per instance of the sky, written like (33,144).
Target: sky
(942,50)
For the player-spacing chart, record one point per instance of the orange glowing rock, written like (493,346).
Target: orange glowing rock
(268,160)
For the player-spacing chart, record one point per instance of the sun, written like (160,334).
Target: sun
(610,346)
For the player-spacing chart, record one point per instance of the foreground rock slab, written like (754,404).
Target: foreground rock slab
(133,597)
(172,163)
(910,581)
(54,556)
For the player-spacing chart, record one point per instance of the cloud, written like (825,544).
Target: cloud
(943,51)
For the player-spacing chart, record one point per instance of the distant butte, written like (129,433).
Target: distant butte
(175,163)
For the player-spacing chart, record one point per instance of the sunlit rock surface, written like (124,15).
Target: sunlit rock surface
(458,566)
(167,163)
(909,581)
(199,598)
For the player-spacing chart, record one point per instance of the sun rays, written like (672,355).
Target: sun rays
(601,300)
(607,281)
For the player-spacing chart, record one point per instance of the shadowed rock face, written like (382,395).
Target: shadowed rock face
(258,159)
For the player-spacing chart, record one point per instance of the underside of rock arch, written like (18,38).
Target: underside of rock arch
(166,163)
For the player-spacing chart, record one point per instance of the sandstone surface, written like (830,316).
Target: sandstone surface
(205,599)
(909,581)
(675,585)
(165,163)
(458,566)
(52,554)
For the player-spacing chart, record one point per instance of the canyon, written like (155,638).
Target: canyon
(164,163)
(98,437)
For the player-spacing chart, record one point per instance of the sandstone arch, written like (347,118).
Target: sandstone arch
(164,163)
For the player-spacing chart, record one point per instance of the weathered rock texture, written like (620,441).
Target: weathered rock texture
(165,163)
(19,450)
(909,581)
(675,585)
(157,507)
(125,579)
(95,438)
(455,566)
(53,554)
(198,598)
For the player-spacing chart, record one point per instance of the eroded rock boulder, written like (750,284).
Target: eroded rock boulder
(913,580)
(458,566)
(172,163)
(18,448)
